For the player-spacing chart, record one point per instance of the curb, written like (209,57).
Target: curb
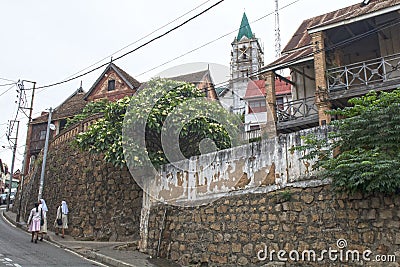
(16,224)
(91,255)
(106,260)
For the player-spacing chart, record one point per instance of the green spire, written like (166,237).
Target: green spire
(245,29)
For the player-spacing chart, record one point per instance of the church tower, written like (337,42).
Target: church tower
(246,59)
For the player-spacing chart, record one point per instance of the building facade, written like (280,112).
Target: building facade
(334,57)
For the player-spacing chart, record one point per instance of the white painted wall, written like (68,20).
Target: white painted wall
(249,167)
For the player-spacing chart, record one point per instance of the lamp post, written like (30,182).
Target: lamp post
(46,146)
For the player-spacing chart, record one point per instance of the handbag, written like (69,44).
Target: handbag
(59,221)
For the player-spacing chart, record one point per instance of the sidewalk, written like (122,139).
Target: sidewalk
(116,254)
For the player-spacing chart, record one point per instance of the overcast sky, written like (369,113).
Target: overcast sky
(48,41)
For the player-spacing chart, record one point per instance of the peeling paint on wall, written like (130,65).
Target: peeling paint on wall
(265,163)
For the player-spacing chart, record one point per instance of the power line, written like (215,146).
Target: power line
(8,89)
(137,48)
(340,44)
(212,41)
(8,80)
(141,38)
(6,84)
(346,41)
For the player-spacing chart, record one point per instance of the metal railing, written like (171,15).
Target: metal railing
(364,73)
(296,109)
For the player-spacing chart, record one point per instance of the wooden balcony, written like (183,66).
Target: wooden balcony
(359,78)
(296,115)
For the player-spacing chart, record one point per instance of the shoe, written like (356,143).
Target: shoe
(41,239)
(62,236)
(56,233)
(31,240)
(35,240)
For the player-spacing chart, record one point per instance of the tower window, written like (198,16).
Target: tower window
(111,85)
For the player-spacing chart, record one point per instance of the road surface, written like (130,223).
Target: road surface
(16,249)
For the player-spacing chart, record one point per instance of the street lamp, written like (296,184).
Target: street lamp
(46,147)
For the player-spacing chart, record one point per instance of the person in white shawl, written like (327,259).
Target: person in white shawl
(43,228)
(62,213)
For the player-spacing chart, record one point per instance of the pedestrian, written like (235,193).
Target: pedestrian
(34,221)
(43,228)
(62,218)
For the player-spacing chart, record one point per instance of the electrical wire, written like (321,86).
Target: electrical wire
(137,48)
(326,49)
(171,60)
(141,38)
(7,84)
(8,80)
(345,42)
(8,89)
(213,41)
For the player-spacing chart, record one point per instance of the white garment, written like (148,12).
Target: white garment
(43,205)
(64,207)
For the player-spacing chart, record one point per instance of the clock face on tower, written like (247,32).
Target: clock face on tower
(243,52)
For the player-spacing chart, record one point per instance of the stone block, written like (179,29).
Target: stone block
(248,249)
(236,247)
(386,214)
(308,199)
(242,261)
(219,259)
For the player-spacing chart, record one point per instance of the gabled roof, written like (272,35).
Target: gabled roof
(244,29)
(195,77)
(129,80)
(299,48)
(73,105)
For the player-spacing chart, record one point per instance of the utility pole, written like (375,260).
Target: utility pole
(14,140)
(25,160)
(46,146)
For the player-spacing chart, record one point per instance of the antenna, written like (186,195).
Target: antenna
(277,32)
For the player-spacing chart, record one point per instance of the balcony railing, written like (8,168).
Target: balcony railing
(296,109)
(364,73)
(252,134)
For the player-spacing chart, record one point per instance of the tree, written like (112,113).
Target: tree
(160,124)
(368,141)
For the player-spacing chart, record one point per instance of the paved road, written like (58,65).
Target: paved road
(17,250)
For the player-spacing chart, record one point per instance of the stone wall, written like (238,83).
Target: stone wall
(232,230)
(104,201)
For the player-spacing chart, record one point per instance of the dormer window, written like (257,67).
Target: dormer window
(111,85)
